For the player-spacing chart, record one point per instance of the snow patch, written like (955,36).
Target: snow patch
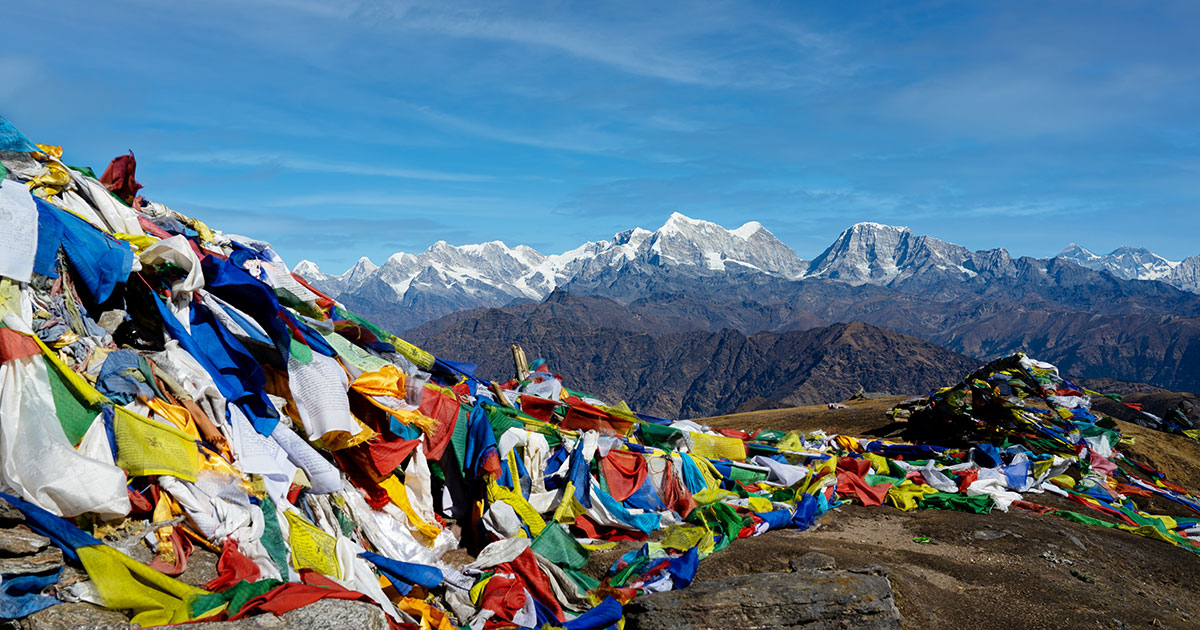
(306,268)
(748,229)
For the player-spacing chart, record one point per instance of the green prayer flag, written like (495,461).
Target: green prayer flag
(659,436)
(82,170)
(745,475)
(769,436)
(73,414)
(502,422)
(875,480)
(272,537)
(1083,518)
(584,582)
(558,546)
(458,439)
(981,504)
(236,596)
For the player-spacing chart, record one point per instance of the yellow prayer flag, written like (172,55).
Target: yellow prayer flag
(760,504)
(718,446)
(81,387)
(847,443)
(148,447)
(311,547)
(398,493)
(569,507)
(684,537)
(476,591)
(908,495)
(178,416)
(128,585)
(139,241)
(528,515)
(421,358)
(430,617)
(879,463)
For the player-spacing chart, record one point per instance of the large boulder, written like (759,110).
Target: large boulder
(78,616)
(325,614)
(813,600)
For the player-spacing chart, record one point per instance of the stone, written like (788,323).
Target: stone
(816,600)
(872,569)
(1050,556)
(325,614)
(78,616)
(10,515)
(987,534)
(337,613)
(21,542)
(47,559)
(202,567)
(812,561)
(70,576)
(111,320)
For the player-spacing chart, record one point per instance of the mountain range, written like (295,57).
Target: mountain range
(447,278)
(1138,263)
(692,275)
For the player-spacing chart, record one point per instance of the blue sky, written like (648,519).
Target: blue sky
(340,129)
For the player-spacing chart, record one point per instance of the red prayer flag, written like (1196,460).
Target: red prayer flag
(232,567)
(625,472)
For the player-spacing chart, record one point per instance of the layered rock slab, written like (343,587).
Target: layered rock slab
(809,599)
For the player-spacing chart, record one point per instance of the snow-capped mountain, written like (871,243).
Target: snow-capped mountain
(701,244)
(445,278)
(1137,263)
(1127,263)
(1080,255)
(871,253)
(1186,275)
(884,255)
(335,285)
(408,289)
(691,247)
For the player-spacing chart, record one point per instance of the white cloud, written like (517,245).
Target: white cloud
(382,199)
(307,164)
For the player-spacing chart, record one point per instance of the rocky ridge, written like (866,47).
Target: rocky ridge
(693,373)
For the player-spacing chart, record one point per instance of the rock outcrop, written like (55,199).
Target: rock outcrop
(808,599)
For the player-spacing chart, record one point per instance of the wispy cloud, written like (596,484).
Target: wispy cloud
(398,200)
(616,50)
(580,138)
(623,49)
(1030,208)
(310,165)
(690,44)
